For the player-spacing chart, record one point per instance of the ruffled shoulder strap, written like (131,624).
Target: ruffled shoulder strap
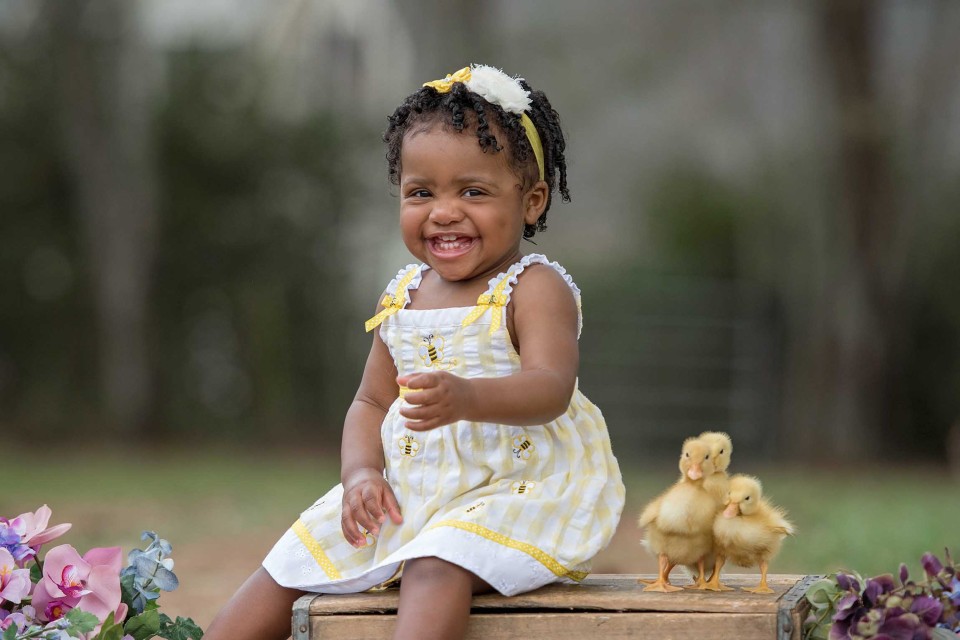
(501,287)
(397,294)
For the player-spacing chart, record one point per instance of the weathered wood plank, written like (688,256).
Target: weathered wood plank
(567,626)
(597,593)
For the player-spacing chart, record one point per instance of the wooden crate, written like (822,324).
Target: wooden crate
(610,606)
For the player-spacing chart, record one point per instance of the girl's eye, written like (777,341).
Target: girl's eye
(418,193)
(473,193)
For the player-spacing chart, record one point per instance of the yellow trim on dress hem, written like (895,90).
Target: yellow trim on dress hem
(315,549)
(537,554)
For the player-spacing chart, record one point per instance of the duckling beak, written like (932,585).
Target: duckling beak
(732,510)
(695,472)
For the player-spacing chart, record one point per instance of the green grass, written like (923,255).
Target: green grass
(870,521)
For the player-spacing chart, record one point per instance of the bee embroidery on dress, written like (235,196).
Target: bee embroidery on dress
(431,352)
(522,447)
(474,507)
(408,446)
(522,487)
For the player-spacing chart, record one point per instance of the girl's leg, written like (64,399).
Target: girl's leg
(435,598)
(259,610)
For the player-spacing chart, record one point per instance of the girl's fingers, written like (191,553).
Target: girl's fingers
(349,527)
(391,505)
(423,425)
(418,397)
(417,412)
(418,380)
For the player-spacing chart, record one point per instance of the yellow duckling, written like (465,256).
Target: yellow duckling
(721,449)
(679,522)
(717,483)
(748,532)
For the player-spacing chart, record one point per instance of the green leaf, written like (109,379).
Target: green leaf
(182,629)
(36,574)
(111,632)
(943,634)
(144,626)
(821,593)
(10,633)
(128,591)
(81,621)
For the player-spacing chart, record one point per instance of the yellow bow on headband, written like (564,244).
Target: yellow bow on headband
(444,86)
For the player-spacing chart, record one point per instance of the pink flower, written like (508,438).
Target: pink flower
(33,530)
(91,583)
(14,582)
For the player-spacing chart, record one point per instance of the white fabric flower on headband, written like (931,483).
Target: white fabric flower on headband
(489,83)
(498,88)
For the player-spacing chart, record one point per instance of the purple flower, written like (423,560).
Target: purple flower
(848,583)
(11,540)
(904,574)
(928,608)
(955,591)
(905,627)
(931,564)
(876,587)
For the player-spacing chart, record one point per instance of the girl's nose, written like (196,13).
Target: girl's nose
(445,211)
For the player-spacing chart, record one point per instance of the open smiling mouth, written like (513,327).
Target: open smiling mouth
(451,245)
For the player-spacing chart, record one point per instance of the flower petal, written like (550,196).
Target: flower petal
(106,556)
(49,534)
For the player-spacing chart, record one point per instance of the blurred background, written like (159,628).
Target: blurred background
(195,220)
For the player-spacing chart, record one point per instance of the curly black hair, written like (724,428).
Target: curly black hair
(460,109)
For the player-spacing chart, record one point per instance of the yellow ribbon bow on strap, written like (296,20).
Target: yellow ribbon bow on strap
(392,303)
(494,300)
(444,86)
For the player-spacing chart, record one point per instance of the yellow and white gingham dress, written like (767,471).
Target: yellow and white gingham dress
(518,506)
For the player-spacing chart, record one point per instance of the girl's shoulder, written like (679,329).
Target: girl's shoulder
(545,286)
(537,270)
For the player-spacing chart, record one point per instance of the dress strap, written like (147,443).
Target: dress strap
(407,278)
(500,287)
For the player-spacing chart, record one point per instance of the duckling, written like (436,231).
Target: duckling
(749,531)
(721,449)
(679,521)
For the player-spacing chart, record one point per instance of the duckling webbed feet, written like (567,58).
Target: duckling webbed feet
(662,583)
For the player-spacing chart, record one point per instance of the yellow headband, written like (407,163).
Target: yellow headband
(497,88)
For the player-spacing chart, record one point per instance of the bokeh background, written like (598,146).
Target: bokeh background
(195,220)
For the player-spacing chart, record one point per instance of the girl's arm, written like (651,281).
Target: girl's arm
(367,497)
(545,323)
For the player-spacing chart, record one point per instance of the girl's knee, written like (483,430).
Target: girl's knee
(432,568)
(438,571)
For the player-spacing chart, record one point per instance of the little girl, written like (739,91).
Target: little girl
(470,461)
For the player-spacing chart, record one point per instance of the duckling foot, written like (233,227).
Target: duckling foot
(662,586)
(760,589)
(699,585)
(714,584)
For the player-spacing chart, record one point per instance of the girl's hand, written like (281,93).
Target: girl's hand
(367,500)
(439,398)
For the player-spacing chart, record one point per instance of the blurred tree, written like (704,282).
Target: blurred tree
(853,365)
(250,303)
(104,104)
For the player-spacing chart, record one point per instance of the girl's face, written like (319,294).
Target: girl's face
(462,211)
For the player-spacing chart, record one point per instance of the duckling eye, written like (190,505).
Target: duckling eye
(747,498)
(687,454)
(721,450)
